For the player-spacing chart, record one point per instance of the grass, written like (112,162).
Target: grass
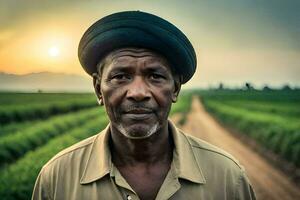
(26,145)
(17,180)
(272,118)
(13,146)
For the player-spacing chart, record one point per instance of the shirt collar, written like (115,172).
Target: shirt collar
(184,158)
(99,162)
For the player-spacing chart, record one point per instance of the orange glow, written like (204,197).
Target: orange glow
(244,47)
(48,48)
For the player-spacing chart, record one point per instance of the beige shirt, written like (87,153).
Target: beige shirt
(198,171)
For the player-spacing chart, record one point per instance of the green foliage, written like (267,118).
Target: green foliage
(271,118)
(25,107)
(17,180)
(8,98)
(183,105)
(278,96)
(35,127)
(287,109)
(15,145)
(16,126)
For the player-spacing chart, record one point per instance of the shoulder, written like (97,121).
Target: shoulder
(71,156)
(221,170)
(208,154)
(62,168)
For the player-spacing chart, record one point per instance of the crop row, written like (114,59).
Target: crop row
(286,109)
(261,96)
(9,98)
(13,146)
(26,112)
(16,126)
(274,132)
(17,180)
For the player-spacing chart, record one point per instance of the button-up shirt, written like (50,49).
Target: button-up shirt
(198,171)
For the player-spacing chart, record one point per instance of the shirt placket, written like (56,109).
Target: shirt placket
(170,185)
(127,192)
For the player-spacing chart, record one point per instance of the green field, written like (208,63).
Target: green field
(272,118)
(14,106)
(34,127)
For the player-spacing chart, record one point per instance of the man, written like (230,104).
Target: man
(138,62)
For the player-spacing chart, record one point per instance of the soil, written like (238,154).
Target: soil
(267,181)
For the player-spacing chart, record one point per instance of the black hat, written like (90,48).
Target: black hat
(137,29)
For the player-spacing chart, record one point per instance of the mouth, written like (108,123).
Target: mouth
(138,113)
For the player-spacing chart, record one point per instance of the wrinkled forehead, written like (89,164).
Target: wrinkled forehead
(125,55)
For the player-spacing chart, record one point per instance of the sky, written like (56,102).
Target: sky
(236,41)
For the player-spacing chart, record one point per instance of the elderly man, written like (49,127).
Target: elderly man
(138,62)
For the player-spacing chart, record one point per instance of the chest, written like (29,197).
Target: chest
(146,187)
(146,182)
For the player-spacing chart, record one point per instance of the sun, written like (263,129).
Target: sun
(53,51)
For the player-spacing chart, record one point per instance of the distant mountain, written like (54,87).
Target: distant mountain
(45,82)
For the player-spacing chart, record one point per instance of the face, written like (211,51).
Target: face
(137,89)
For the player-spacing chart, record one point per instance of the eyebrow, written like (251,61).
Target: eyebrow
(157,68)
(128,68)
(121,68)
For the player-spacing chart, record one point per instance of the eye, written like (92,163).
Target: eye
(156,76)
(121,76)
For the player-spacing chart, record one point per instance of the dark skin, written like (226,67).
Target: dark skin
(137,88)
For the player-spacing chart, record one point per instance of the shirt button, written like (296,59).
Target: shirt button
(129,197)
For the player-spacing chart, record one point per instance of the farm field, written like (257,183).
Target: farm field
(267,180)
(34,127)
(272,118)
(14,106)
(37,126)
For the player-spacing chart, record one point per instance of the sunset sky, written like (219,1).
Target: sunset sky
(257,41)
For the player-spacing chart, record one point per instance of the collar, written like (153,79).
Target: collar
(99,163)
(184,158)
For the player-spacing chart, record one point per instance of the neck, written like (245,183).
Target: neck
(129,152)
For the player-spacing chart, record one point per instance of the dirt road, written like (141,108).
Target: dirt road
(268,182)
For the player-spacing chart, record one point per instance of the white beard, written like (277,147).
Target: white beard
(153,130)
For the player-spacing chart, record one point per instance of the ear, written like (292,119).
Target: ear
(177,87)
(97,88)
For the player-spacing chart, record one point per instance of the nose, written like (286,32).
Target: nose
(138,90)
